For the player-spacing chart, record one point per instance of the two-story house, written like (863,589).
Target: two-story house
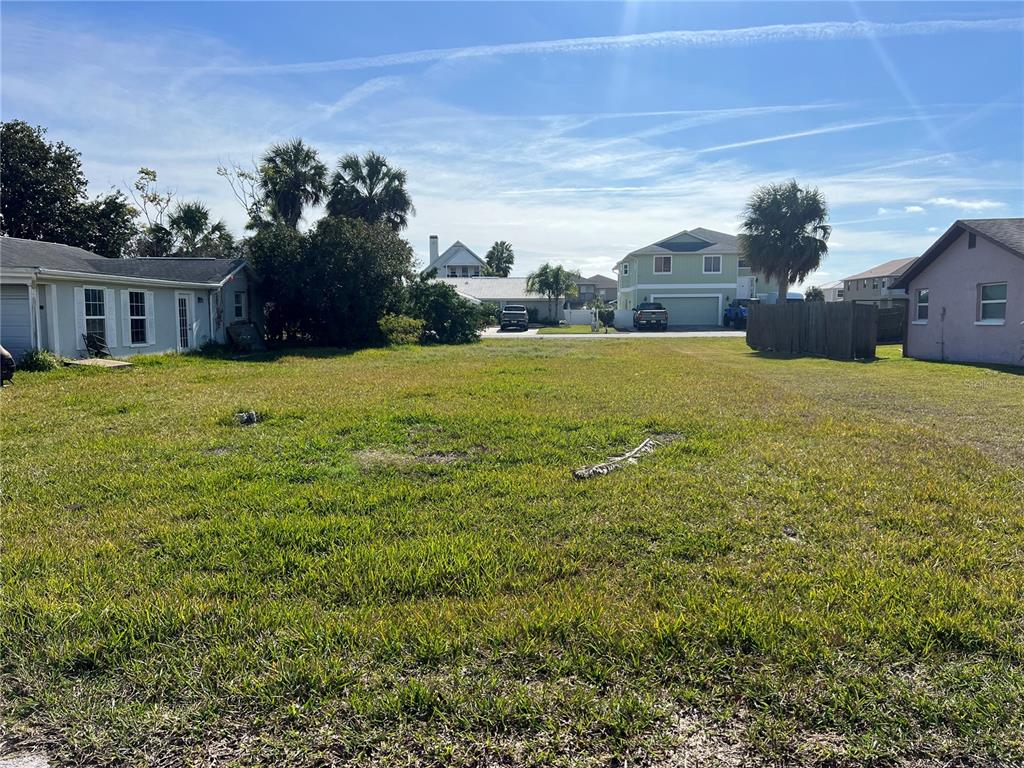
(694,274)
(877,285)
(592,288)
(457,260)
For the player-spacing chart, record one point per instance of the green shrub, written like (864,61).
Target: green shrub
(489,314)
(532,315)
(606,317)
(38,360)
(447,317)
(401,329)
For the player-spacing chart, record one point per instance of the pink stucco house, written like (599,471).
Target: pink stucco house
(966,295)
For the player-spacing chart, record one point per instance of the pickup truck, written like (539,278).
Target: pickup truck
(736,313)
(514,316)
(650,314)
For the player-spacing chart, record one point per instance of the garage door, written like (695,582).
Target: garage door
(15,322)
(692,310)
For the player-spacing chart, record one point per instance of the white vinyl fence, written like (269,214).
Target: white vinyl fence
(579,316)
(623,319)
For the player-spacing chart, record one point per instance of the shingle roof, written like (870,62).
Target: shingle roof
(1007,233)
(893,268)
(492,288)
(698,240)
(16,253)
(600,281)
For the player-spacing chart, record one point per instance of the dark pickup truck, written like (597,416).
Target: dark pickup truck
(514,316)
(650,314)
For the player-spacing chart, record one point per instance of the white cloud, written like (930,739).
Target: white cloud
(933,229)
(914,209)
(360,93)
(803,134)
(884,211)
(773,33)
(966,205)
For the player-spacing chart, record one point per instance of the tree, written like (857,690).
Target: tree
(370,189)
(814,293)
(44,195)
(499,259)
(245,186)
(277,254)
(291,179)
(447,317)
(784,233)
(554,282)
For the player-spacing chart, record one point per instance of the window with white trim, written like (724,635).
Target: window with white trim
(992,303)
(662,264)
(95,312)
(137,316)
(921,305)
(625,268)
(712,265)
(239,305)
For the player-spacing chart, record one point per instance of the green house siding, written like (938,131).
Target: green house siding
(688,268)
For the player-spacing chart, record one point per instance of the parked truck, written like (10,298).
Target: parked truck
(514,316)
(650,314)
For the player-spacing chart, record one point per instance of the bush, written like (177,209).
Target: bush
(606,317)
(38,360)
(489,314)
(532,316)
(401,329)
(447,317)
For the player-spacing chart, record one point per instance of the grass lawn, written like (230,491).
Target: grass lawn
(570,329)
(396,567)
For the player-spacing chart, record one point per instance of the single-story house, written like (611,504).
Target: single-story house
(695,274)
(966,295)
(52,295)
(505,290)
(877,285)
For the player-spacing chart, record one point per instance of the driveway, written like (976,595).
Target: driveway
(495,333)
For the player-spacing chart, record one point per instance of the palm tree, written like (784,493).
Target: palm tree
(499,259)
(785,234)
(368,188)
(292,178)
(189,224)
(554,282)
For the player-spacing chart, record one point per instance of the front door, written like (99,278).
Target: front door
(184,318)
(745,287)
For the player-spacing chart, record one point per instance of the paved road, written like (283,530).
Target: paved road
(494,333)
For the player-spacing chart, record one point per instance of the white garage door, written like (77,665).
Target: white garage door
(15,319)
(691,310)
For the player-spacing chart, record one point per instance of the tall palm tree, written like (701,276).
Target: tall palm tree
(369,188)
(554,282)
(292,178)
(785,233)
(499,259)
(189,223)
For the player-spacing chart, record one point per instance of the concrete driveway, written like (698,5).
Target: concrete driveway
(495,333)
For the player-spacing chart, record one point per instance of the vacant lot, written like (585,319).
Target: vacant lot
(396,566)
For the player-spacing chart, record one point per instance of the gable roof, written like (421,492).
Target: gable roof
(17,253)
(454,250)
(698,240)
(893,268)
(1006,233)
(600,281)
(492,288)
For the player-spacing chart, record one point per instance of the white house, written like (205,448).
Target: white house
(52,295)
(457,261)
(833,291)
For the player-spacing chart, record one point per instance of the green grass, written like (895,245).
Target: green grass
(570,329)
(395,565)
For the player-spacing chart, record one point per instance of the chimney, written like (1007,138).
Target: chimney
(433,249)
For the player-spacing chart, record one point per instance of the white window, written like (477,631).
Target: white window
(137,317)
(712,265)
(992,303)
(921,306)
(95,312)
(662,264)
(625,268)
(239,305)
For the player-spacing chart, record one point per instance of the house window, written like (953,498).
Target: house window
(972,239)
(874,284)
(839,293)
(625,269)
(992,303)
(662,264)
(137,316)
(95,314)
(712,265)
(744,264)
(922,305)
(239,305)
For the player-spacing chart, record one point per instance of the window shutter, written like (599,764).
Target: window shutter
(126,320)
(110,317)
(150,320)
(79,317)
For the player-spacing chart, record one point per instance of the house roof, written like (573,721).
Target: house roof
(832,285)
(600,281)
(892,268)
(698,240)
(1007,233)
(492,288)
(452,251)
(17,253)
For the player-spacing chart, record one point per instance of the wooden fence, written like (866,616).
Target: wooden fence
(838,330)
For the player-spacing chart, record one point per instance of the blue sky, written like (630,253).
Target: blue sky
(576,131)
